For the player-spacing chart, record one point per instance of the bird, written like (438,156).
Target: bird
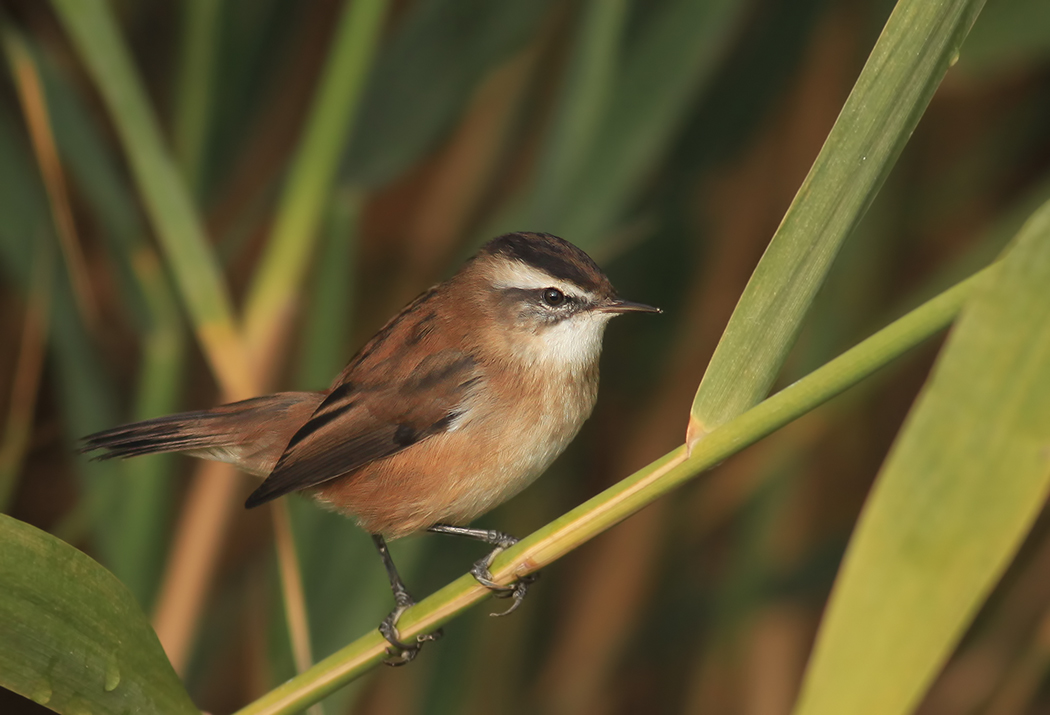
(459,402)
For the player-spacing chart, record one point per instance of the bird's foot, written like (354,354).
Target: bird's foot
(517,590)
(401,652)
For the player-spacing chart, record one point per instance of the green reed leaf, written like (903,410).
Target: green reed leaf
(920,41)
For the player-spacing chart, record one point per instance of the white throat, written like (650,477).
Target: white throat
(574,344)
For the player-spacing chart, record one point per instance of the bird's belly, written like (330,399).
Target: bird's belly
(459,475)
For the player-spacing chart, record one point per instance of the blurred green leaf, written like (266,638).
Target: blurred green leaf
(919,42)
(85,391)
(197,74)
(145,484)
(22,402)
(1012,35)
(333,111)
(87,154)
(22,200)
(256,45)
(327,323)
(96,37)
(758,70)
(582,105)
(425,75)
(959,490)
(71,635)
(661,70)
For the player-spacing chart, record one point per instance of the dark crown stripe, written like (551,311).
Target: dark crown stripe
(552,255)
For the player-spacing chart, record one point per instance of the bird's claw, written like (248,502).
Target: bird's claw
(481,573)
(400,652)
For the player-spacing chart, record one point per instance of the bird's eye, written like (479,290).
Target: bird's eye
(553,297)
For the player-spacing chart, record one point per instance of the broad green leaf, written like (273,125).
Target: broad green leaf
(959,490)
(919,42)
(71,635)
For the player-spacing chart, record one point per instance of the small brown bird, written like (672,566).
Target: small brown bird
(457,404)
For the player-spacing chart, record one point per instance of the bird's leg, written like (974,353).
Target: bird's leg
(480,571)
(402,652)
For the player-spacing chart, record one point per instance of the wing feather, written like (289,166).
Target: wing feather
(357,424)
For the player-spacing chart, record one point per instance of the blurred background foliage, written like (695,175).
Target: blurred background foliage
(667,138)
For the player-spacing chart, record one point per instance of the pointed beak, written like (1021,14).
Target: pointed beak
(625,306)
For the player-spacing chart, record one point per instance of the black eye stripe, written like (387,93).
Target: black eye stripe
(532,299)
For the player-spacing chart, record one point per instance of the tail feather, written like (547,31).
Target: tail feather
(251,434)
(172,433)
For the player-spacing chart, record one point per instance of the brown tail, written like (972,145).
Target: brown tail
(251,434)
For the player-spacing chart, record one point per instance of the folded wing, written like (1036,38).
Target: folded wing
(357,424)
